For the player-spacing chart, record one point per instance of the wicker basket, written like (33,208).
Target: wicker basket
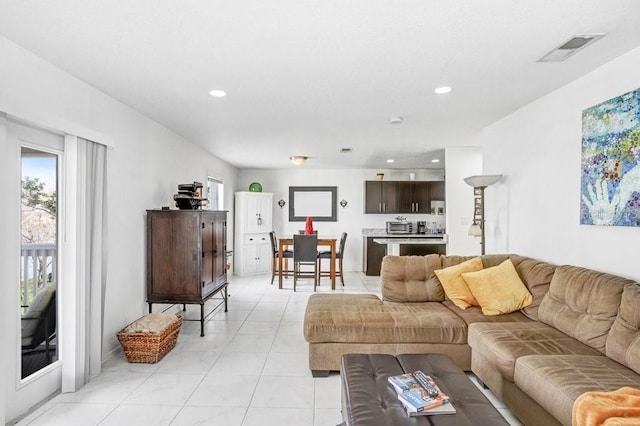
(149,347)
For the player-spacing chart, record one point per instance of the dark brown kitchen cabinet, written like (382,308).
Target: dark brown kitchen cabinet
(415,197)
(437,190)
(186,257)
(373,254)
(381,196)
(402,196)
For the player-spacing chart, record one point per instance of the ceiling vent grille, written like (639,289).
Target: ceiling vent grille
(570,47)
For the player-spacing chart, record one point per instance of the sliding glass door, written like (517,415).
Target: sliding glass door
(38,259)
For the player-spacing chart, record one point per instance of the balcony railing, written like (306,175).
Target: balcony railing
(38,266)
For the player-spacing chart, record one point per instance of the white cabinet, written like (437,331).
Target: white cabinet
(253,222)
(256,255)
(256,211)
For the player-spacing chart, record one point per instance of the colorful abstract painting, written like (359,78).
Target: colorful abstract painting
(611,162)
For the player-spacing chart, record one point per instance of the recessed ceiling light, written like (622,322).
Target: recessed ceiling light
(442,90)
(435,160)
(390,160)
(218,93)
(395,120)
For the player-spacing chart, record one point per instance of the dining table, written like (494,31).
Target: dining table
(286,242)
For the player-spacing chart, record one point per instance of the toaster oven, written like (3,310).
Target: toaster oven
(399,227)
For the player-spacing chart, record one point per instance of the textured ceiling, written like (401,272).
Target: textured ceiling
(310,77)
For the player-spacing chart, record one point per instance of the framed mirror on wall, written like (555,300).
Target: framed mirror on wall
(319,202)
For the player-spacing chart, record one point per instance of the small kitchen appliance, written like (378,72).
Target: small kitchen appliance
(399,227)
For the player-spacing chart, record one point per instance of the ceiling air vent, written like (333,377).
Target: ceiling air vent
(569,47)
(346,150)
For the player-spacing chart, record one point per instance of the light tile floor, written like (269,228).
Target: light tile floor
(250,369)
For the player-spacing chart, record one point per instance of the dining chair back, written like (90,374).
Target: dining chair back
(305,253)
(286,254)
(339,256)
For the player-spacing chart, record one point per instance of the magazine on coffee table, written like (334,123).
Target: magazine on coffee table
(444,408)
(420,395)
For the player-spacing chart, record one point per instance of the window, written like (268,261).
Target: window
(215,194)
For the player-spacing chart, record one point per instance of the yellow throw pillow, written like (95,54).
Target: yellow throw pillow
(499,290)
(454,286)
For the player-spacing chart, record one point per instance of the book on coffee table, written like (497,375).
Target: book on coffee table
(447,408)
(420,395)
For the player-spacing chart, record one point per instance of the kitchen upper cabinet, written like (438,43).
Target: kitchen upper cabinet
(381,197)
(402,196)
(437,190)
(415,197)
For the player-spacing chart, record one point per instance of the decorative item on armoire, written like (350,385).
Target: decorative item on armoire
(255,187)
(189,196)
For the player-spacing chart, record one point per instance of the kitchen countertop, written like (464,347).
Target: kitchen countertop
(413,240)
(382,233)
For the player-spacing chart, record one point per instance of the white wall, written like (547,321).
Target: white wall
(350,185)
(538,149)
(146,162)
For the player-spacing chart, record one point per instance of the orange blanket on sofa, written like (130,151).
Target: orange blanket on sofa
(620,407)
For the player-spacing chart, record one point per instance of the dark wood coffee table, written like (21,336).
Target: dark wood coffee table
(369,400)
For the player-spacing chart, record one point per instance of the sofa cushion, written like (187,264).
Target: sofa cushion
(411,279)
(474,314)
(623,341)
(353,318)
(582,303)
(536,275)
(503,343)
(499,290)
(555,382)
(455,287)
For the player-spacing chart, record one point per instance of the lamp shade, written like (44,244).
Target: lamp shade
(475,230)
(482,180)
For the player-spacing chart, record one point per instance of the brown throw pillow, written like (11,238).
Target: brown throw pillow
(454,286)
(499,290)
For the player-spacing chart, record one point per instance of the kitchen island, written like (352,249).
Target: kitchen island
(401,244)
(394,244)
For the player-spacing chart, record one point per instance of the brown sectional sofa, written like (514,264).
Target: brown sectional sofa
(581,333)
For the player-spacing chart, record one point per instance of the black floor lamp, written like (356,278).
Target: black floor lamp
(479,183)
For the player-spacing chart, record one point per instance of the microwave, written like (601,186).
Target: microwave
(399,227)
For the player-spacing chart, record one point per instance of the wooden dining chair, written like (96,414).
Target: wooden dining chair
(326,254)
(305,253)
(286,254)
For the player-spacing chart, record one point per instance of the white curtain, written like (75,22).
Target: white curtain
(94,247)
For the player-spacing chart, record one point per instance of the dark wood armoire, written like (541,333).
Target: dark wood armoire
(186,257)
